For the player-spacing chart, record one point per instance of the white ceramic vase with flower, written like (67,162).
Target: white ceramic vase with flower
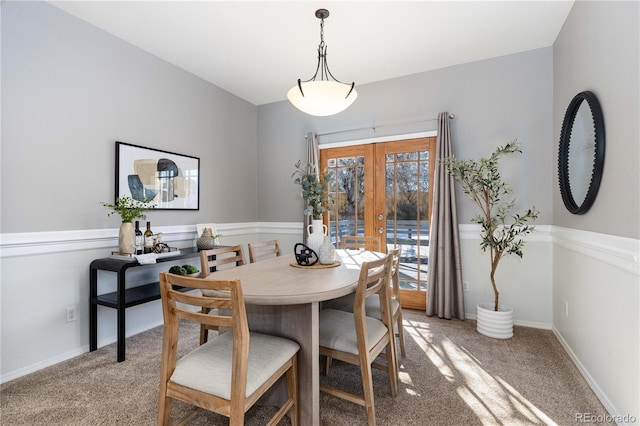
(128,209)
(314,192)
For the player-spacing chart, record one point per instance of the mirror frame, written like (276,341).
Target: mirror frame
(563,155)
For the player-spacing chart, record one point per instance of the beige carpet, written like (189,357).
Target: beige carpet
(451,376)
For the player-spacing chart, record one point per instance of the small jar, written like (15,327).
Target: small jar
(327,252)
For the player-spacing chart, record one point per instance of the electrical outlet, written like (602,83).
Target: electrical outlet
(566,308)
(465,285)
(72,313)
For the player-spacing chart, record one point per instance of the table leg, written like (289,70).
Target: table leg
(299,323)
(121,314)
(93,309)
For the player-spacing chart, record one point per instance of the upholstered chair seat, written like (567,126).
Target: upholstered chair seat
(208,368)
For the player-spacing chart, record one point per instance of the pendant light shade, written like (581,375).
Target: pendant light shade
(322,97)
(322,94)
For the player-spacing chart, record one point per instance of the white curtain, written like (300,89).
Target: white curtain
(444,286)
(313,158)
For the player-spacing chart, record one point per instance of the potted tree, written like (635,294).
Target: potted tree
(314,192)
(128,209)
(501,232)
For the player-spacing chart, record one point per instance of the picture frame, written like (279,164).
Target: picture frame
(169,180)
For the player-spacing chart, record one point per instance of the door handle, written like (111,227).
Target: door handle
(380,217)
(380,230)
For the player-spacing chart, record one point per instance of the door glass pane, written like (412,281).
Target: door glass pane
(407,205)
(406,156)
(347,189)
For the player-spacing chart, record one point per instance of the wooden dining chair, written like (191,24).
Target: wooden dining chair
(261,249)
(360,242)
(228,374)
(210,260)
(357,339)
(372,304)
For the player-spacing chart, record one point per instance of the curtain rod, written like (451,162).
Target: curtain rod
(451,116)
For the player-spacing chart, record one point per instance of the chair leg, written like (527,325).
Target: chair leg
(392,365)
(164,407)
(292,386)
(327,365)
(401,335)
(367,386)
(236,414)
(204,335)
(204,332)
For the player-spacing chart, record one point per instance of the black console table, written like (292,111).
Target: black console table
(123,297)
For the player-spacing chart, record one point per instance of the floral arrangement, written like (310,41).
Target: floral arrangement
(482,182)
(314,189)
(128,208)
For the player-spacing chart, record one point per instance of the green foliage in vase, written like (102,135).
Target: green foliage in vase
(183,270)
(190,269)
(128,208)
(481,181)
(177,270)
(314,189)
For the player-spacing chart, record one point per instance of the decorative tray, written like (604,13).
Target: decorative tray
(317,265)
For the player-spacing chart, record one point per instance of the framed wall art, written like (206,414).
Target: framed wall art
(171,181)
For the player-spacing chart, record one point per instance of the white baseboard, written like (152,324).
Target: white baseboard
(587,376)
(69,355)
(32,368)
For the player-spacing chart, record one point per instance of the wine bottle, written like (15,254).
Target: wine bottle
(139,239)
(148,239)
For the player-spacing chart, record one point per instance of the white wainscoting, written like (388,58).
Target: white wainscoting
(35,243)
(45,272)
(596,314)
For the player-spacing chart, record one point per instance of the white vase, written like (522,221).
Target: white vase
(327,252)
(127,238)
(497,324)
(317,231)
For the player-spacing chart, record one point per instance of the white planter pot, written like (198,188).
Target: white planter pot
(497,324)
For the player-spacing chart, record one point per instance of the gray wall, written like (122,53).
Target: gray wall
(70,90)
(598,49)
(605,60)
(494,101)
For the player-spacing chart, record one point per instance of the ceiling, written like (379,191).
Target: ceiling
(258,49)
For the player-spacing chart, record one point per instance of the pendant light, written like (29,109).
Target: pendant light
(322,94)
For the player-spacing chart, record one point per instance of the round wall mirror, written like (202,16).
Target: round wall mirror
(581,156)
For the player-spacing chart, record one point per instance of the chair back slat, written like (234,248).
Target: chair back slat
(211,259)
(203,302)
(395,270)
(374,279)
(207,319)
(261,249)
(230,298)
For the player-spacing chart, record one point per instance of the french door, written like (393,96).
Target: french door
(384,189)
